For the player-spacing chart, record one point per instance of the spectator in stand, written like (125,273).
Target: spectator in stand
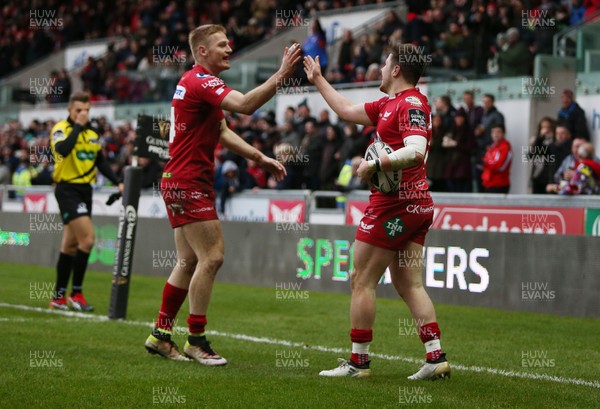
(516,60)
(473,112)
(288,134)
(562,148)
(5,174)
(312,150)
(348,179)
(324,122)
(458,147)
(24,173)
(359,75)
(375,49)
(257,174)
(360,54)
(316,44)
(302,117)
(335,76)
(483,137)
(572,116)
(444,108)
(497,162)
(354,143)
(288,156)
(419,30)
(9,159)
(542,154)
(227,182)
(454,47)
(345,58)
(436,158)
(90,76)
(329,165)
(387,27)
(373,73)
(565,172)
(586,180)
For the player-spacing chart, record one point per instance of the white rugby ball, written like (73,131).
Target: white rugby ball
(385,182)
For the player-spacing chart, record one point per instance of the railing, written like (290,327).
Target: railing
(560,42)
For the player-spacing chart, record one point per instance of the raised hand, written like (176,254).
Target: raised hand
(291,56)
(312,68)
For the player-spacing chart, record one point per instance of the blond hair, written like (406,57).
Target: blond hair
(200,34)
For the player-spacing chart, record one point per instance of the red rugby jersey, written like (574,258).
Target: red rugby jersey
(396,117)
(195,129)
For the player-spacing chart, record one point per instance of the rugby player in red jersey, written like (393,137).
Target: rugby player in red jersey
(197,125)
(392,231)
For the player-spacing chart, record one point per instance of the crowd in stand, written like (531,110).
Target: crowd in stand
(469,151)
(485,37)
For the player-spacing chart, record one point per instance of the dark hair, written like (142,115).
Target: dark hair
(499,125)
(552,122)
(490,96)
(469,92)
(411,62)
(79,96)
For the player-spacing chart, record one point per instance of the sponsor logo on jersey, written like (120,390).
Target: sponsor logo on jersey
(366,227)
(213,83)
(416,118)
(179,92)
(202,209)
(86,155)
(393,227)
(419,209)
(176,208)
(413,101)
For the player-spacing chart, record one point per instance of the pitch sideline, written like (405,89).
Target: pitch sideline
(320,348)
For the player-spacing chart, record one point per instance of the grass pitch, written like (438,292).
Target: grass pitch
(276,347)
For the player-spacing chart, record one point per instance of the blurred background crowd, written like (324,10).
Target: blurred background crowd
(486,38)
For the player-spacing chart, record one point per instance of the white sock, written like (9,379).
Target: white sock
(360,348)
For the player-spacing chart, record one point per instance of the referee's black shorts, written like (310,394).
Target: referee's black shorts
(74,200)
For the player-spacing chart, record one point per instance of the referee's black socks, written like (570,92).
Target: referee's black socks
(80,262)
(63,273)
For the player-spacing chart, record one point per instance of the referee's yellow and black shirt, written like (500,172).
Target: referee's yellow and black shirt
(79,164)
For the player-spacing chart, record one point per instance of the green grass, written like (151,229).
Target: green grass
(104,364)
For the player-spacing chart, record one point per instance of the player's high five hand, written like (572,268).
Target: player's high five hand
(291,56)
(274,167)
(312,68)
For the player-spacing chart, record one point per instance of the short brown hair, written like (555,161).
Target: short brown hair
(412,63)
(201,33)
(80,96)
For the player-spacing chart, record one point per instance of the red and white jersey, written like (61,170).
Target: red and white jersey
(195,130)
(397,117)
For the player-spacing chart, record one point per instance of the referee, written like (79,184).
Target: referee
(77,153)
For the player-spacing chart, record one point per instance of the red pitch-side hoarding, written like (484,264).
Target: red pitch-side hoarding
(287,211)
(509,219)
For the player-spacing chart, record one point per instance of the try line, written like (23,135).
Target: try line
(320,348)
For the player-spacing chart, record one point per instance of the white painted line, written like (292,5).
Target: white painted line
(320,348)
